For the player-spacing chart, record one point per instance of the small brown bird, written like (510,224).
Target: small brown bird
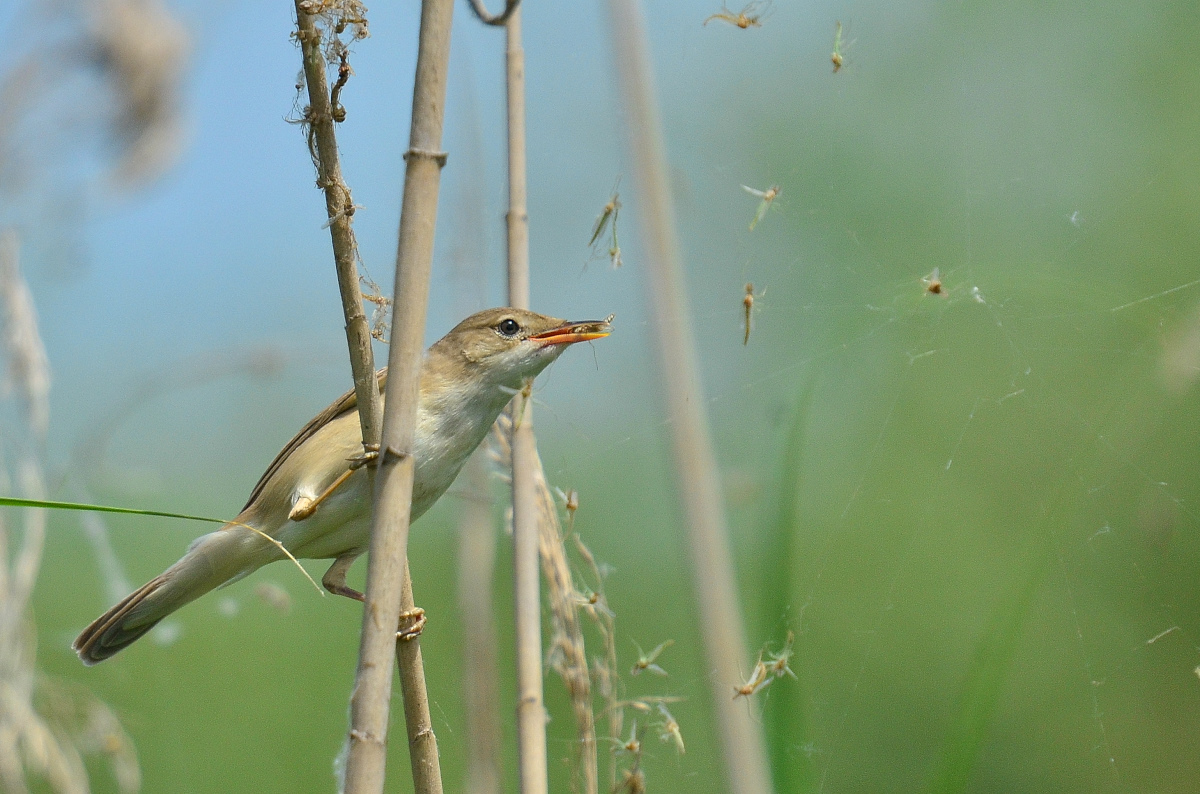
(314,500)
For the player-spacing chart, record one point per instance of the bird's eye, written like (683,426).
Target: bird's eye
(508,327)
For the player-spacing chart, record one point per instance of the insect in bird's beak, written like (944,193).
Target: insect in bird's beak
(571,333)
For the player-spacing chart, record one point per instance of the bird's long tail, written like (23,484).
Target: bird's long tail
(217,558)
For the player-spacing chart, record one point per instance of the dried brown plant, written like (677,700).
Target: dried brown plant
(566,653)
(44,739)
(113,67)
(580,588)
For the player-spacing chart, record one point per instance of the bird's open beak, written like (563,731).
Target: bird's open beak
(571,333)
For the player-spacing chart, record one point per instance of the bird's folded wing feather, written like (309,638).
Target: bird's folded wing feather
(347,402)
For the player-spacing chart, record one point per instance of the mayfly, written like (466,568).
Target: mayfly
(749,17)
(606,217)
(633,746)
(570,500)
(768,196)
(836,57)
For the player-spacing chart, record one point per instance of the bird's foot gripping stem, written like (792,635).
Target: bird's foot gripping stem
(368,457)
(411,622)
(415,618)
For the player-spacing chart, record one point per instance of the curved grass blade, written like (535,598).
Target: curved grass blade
(12,501)
(990,668)
(787,719)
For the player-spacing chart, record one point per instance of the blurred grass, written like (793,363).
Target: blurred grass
(785,718)
(988,672)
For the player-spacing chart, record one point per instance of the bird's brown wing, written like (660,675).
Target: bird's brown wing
(347,402)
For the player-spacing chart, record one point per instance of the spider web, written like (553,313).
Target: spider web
(1010,455)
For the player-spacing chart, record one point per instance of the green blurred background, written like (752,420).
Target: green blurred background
(974,510)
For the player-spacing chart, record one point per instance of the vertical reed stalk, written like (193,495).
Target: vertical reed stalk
(476,562)
(531,711)
(476,522)
(389,585)
(339,207)
(536,531)
(695,466)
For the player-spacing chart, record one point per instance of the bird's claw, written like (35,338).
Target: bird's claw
(370,455)
(416,622)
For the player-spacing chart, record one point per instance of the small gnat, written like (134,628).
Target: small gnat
(748,311)
(759,679)
(837,57)
(933,283)
(229,607)
(768,197)
(751,16)
(646,661)
(607,219)
(668,729)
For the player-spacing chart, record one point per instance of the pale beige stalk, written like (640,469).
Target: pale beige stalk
(531,710)
(389,586)
(476,522)
(339,207)
(476,562)
(34,742)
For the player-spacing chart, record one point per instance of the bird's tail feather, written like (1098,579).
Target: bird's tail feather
(211,561)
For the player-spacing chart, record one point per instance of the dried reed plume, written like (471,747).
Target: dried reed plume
(134,52)
(566,653)
(45,739)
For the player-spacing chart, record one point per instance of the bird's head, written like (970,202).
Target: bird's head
(506,347)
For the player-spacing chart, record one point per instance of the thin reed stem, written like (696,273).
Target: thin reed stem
(518,215)
(531,710)
(476,562)
(339,206)
(476,523)
(389,585)
(696,476)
